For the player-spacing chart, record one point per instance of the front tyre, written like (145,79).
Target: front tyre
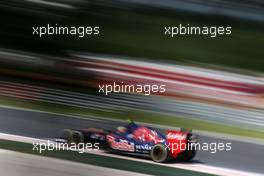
(159,153)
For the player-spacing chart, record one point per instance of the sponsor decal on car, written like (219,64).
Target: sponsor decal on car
(179,136)
(120,144)
(144,147)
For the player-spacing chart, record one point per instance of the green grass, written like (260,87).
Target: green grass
(110,162)
(137,116)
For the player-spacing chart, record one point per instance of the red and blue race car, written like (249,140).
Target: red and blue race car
(139,140)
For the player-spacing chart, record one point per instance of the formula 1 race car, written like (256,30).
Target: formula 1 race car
(139,140)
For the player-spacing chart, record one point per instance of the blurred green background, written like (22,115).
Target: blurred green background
(139,32)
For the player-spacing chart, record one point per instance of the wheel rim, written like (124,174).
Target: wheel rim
(158,154)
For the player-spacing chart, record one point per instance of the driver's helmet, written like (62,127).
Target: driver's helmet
(121,129)
(130,121)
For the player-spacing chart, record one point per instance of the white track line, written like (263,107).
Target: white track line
(17,164)
(43,2)
(193,167)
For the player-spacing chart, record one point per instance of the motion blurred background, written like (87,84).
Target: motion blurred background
(214,80)
(213,85)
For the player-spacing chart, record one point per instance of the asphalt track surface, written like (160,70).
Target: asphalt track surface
(243,156)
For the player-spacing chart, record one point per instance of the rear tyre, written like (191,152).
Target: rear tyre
(159,153)
(72,136)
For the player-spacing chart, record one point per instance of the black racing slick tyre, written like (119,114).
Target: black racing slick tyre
(159,153)
(73,136)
